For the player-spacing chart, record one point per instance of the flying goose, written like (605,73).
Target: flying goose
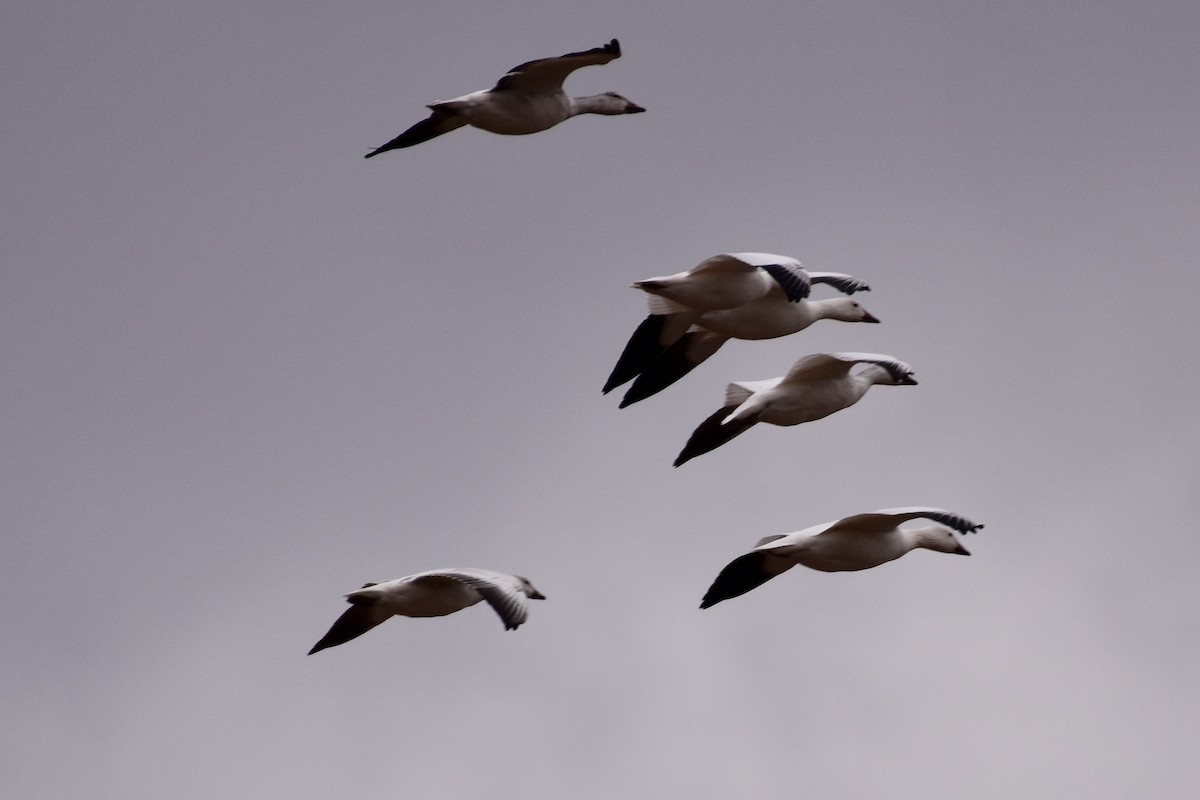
(761,296)
(431,594)
(816,386)
(528,99)
(857,542)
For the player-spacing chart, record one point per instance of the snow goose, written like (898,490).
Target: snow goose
(816,386)
(431,594)
(858,542)
(763,296)
(655,357)
(528,99)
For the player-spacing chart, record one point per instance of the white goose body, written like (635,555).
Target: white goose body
(829,549)
(508,113)
(710,287)
(858,542)
(426,595)
(435,593)
(815,387)
(528,99)
(780,401)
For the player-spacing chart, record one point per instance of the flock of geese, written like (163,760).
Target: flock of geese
(692,313)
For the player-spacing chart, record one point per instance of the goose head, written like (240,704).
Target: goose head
(847,309)
(900,374)
(529,591)
(608,103)
(940,539)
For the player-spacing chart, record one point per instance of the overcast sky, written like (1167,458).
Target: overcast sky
(246,371)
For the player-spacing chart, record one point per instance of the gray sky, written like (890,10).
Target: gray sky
(246,371)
